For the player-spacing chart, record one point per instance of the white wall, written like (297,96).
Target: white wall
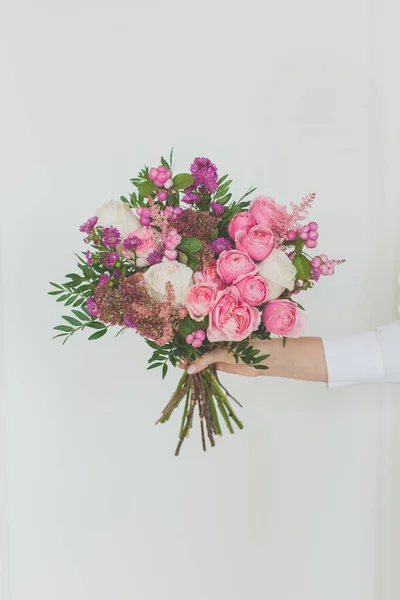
(287,96)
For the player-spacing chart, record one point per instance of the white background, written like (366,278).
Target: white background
(292,97)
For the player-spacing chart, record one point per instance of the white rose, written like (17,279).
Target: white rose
(279,272)
(119,215)
(178,274)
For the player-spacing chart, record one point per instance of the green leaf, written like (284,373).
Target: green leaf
(284,340)
(71,300)
(261,367)
(146,188)
(164,370)
(62,298)
(164,162)
(299,245)
(152,344)
(171,156)
(190,245)
(72,321)
(214,234)
(223,178)
(55,293)
(193,262)
(154,365)
(63,328)
(225,199)
(123,199)
(187,326)
(182,181)
(182,257)
(79,302)
(81,315)
(303,267)
(55,285)
(73,276)
(97,334)
(59,335)
(96,325)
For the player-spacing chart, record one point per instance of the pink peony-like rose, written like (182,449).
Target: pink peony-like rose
(233,263)
(231,319)
(284,318)
(258,242)
(209,275)
(241,222)
(147,246)
(253,289)
(200,299)
(265,211)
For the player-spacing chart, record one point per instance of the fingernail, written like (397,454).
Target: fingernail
(191,370)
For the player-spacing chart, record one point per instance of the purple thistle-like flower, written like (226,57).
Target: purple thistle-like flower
(104,279)
(154,257)
(221,244)
(205,174)
(217,208)
(111,237)
(129,322)
(190,197)
(91,307)
(131,243)
(116,274)
(89,225)
(89,259)
(111,259)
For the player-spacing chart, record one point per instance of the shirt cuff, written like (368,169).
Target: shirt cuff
(357,359)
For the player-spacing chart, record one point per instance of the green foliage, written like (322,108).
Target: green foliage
(249,355)
(303,267)
(190,245)
(182,181)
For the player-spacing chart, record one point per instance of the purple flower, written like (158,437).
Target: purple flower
(154,257)
(89,225)
(104,279)
(91,307)
(111,259)
(217,208)
(190,197)
(89,259)
(205,174)
(221,244)
(129,322)
(116,274)
(131,243)
(111,237)
(315,274)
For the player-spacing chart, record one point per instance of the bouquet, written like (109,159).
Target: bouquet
(190,269)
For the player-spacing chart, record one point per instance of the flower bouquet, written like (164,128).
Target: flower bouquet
(190,269)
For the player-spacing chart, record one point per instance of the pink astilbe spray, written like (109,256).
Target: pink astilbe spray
(299,212)
(158,219)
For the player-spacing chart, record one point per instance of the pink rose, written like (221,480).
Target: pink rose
(258,242)
(284,318)
(233,263)
(147,246)
(253,289)
(231,319)
(200,299)
(240,222)
(265,211)
(209,275)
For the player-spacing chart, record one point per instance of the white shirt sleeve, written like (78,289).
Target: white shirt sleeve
(372,357)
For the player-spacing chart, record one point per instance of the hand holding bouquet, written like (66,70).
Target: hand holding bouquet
(190,269)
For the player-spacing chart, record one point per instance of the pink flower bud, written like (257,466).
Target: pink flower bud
(331,271)
(158,182)
(304,236)
(171,254)
(153,173)
(324,269)
(162,169)
(168,184)
(178,211)
(162,196)
(197,343)
(313,235)
(168,212)
(291,235)
(316,262)
(323,257)
(311,243)
(313,226)
(306,228)
(189,338)
(200,335)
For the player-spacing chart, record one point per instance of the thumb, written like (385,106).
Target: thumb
(209,358)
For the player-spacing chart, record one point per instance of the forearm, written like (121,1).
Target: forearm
(301,358)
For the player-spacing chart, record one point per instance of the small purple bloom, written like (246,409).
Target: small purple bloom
(205,174)
(91,307)
(129,322)
(116,274)
(217,208)
(89,259)
(154,257)
(111,259)
(191,197)
(89,225)
(315,274)
(131,243)
(104,279)
(221,244)
(111,237)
